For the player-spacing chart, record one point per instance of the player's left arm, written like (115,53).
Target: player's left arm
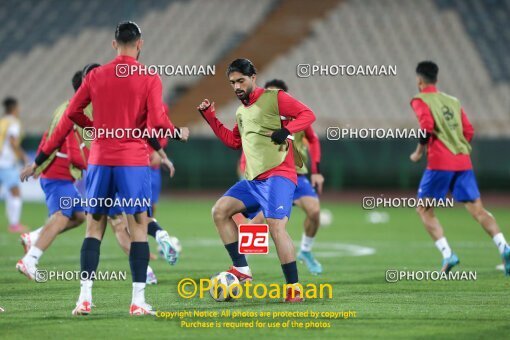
(467,127)
(300,117)
(159,157)
(56,140)
(158,112)
(426,121)
(81,99)
(314,148)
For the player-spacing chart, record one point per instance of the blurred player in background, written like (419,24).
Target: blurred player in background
(449,167)
(270,167)
(11,154)
(118,167)
(58,174)
(305,196)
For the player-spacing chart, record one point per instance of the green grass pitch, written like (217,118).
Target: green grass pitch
(417,309)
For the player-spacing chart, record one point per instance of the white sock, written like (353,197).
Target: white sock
(443,247)
(13,209)
(85,290)
(33,255)
(138,293)
(34,235)
(244,270)
(306,243)
(500,242)
(149,270)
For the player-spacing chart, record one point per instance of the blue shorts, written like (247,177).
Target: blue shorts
(9,177)
(131,184)
(437,183)
(272,195)
(304,188)
(156,184)
(61,195)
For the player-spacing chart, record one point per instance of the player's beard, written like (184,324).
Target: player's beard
(245,97)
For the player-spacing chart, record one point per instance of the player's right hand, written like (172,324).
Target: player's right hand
(206,106)
(27,172)
(415,156)
(167,164)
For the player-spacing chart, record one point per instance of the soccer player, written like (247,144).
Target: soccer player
(119,166)
(58,174)
(449,167)
(270,166)
(305,195)
(66,164)
(10,154)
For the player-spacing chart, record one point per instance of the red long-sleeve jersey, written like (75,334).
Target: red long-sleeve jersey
(289,107)
(119,101)
(439,157)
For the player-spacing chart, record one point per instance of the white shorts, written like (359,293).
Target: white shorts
(9,178)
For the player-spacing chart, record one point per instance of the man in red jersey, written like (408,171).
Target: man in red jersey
(305,195)
(118,166)
(265,121)
(57,177)
(449,167)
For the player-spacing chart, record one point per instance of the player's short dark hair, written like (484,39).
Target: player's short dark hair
(278,83)
(428,70)
(76,80)
(88,68)
(10,104)
(127,32)
(243,66)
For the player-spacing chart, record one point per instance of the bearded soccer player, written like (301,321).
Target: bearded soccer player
(118,166)
(449,167)
(305,195)
(266,119)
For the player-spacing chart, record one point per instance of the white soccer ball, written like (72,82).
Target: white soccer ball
(326,217)
(224,286)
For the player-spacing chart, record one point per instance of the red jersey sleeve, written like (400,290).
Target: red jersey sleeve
(41,143)
(314,147)
(74,153)
(467,128)
(423,114)
(78,103)
(293,108)
(58,136)
(157,111)
(231,138)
